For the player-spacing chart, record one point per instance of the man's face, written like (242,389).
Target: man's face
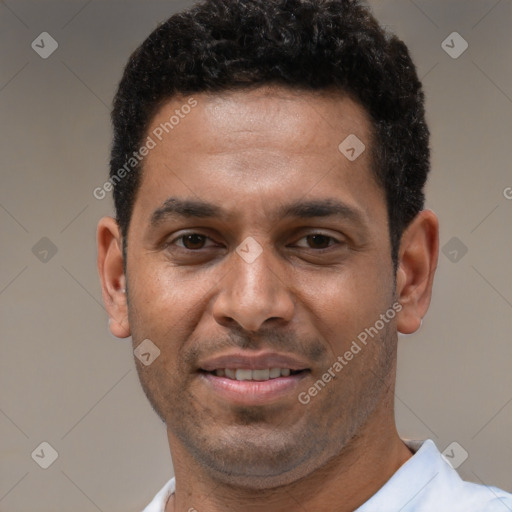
(267,164)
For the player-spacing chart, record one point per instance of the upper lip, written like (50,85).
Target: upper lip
(258,361)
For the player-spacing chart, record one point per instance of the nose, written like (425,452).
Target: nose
(252,294)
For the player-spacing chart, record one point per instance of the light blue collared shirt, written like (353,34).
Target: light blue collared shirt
(424,483)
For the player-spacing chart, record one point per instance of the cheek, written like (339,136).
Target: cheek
(163,290)
(165,305)
(344,302)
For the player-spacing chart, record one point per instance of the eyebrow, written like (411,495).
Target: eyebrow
(174,208)
(320,208)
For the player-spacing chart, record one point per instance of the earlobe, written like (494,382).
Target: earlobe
(120,329)
(418,257)
(113,279)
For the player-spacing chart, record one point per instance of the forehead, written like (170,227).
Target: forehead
(275,116)
(269,140)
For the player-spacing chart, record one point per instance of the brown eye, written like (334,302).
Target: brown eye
(318,241)
(193,241)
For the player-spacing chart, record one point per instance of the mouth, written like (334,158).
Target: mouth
(246,374)
(251,379)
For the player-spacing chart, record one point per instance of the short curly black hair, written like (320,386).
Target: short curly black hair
(222,45)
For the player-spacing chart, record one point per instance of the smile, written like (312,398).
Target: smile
(244,387)
(241,374)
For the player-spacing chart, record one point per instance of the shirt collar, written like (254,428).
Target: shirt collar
(411,479)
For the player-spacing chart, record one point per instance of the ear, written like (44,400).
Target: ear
(113,280)
(417,262)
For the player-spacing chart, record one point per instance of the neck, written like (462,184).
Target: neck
(348,480)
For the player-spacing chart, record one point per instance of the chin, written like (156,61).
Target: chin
(258,460)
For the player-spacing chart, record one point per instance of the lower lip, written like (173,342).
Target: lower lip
(252,392)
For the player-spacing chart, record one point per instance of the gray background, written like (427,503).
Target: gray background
(65,380)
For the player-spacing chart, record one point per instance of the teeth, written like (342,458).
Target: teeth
(245,374)
(261,374)
(274,373)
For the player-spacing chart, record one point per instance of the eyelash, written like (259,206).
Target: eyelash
(205,237)
(181,237)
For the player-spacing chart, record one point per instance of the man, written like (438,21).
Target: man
(268,167)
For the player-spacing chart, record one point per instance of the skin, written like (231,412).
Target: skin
(251,152)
